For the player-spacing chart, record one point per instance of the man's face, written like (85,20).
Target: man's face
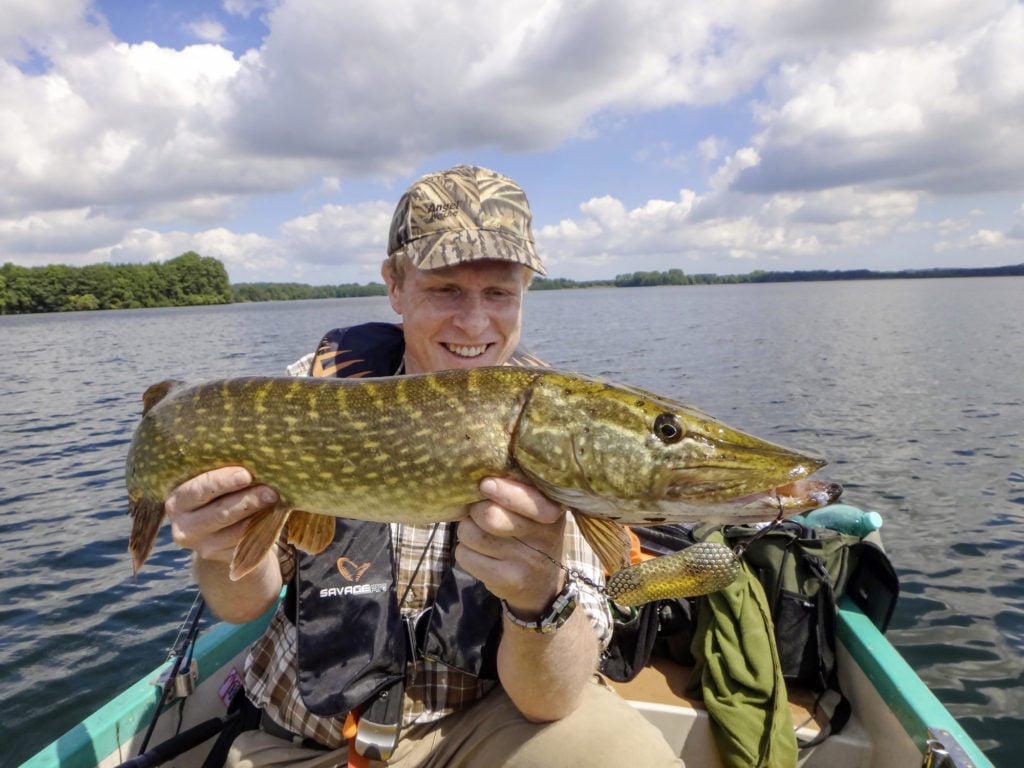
(465,316)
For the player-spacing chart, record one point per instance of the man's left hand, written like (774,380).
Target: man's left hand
(511,541)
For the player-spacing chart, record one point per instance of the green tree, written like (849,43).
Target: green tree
(194,279)
(187,279)
(82,303)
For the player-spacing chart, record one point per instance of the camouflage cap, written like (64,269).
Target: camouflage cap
(464,214)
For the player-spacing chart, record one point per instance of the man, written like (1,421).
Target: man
(469,648)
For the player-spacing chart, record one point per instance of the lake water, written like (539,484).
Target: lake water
(914,389)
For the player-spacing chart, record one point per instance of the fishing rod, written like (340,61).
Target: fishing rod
(184,646)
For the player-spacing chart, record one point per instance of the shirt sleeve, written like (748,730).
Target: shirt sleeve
(581,559)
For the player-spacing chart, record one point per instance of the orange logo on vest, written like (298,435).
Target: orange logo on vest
(350,571)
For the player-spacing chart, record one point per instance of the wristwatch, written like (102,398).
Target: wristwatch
(555,617)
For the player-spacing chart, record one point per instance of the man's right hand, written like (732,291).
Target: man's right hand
(207,515)
(208,512)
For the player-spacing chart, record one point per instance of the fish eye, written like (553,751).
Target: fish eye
(668,428)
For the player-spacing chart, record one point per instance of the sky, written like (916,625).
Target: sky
(712,137)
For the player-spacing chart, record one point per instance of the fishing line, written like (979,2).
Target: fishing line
(419,564)
(740,548)
(738,551)
(571,573)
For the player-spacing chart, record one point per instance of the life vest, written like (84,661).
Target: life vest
(352,639)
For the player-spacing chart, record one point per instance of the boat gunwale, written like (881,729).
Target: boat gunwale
(117,722)
(913,703)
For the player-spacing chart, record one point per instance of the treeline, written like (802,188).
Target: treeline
(558,283)
(244,292)
(671,277)
(189,279)
(1014,270)
(677,277)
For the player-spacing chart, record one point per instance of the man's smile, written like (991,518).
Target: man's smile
(465,351)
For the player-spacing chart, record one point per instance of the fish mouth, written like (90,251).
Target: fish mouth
(771,502)
(749,477)
(791,498)
(743,477)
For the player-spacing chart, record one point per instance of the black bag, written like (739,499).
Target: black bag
(805,571)
(661,628)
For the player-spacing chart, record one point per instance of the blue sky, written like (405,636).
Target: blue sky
(277,135)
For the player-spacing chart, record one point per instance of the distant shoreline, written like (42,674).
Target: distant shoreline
(678,277)
(191,280)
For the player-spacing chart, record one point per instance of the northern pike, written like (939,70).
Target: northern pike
(413,449)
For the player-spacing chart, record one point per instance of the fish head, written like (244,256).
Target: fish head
(614,451)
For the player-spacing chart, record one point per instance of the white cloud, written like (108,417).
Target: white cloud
(120,124)
(334,240)
(982,239)
(208,30)
(926,115)
(46,27)
(359,232)
(718,230)
(68,236)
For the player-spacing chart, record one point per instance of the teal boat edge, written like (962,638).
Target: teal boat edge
(102,732)
(920,712)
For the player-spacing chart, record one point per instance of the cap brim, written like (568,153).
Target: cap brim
(449,249)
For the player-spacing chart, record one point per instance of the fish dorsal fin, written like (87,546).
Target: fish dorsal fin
(310,533)
(261,533)
(607,538)
(158,392)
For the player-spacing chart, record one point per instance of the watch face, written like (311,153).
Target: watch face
(560,612)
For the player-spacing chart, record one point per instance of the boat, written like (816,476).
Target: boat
(897,722)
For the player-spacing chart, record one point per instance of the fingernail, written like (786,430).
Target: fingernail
(241,477)
(267,496)
(488,486)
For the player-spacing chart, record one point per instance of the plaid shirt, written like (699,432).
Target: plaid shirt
(432,690)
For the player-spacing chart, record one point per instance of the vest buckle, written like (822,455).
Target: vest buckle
(381,723)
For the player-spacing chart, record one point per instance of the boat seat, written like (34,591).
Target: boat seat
(664,681)
(659,692)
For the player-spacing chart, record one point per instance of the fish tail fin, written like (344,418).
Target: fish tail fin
(309,532)
(607,538)
(147,515)
(261,532)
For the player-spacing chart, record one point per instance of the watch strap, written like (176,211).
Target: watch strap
(555,617)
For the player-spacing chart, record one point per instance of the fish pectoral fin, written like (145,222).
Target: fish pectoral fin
(309,532)
(261,532)
(607,538)
(147,515)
